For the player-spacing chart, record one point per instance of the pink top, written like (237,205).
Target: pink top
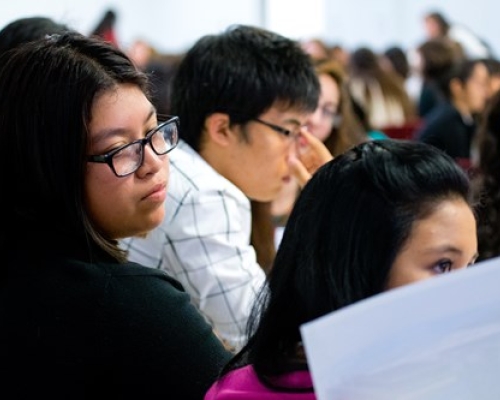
(243,384)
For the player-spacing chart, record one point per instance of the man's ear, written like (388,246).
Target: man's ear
(218,129)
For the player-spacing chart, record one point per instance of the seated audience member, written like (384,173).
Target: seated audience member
(161,70)
(316,48)
(28,29)
(106,28)
(435,58)
(88,165)
(362,117)
(394,59)
(451,126)
(380,93)
(461,38)
(487,180)
(141,52)
(382,215)
(333,122)
(340,54)
(241,121)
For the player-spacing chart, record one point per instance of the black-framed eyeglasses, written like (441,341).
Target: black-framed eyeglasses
(287,132)
(127,159)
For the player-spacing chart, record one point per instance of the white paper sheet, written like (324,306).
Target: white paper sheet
(438,339)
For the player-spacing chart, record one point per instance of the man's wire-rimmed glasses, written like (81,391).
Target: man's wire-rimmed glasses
(292,134)
(127,159)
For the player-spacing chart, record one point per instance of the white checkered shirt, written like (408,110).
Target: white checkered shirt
(204,242)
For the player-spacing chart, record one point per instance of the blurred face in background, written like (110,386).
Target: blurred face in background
(316,49)
(322,121)
(432,28)
(471,96)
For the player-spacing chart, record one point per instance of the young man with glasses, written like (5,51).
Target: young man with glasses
(242,97)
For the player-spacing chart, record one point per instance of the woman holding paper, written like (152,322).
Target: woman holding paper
(385,214)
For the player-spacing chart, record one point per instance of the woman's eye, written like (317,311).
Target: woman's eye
(113,147)
(442,267)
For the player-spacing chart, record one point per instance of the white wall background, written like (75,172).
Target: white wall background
(173,25)
(381,23)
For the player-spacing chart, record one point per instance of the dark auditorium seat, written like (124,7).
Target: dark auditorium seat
(402,132)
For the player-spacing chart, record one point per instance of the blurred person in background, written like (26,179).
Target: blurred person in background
(340,54)
(333,122)
(316,48)
(394,59)
(141,52)
(106,28)
(28,29)
(451,126)
(462,39)
(380,93)
(161,70)
(435,58)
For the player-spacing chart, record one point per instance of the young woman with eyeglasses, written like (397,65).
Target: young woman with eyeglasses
(333,122)
(86,163)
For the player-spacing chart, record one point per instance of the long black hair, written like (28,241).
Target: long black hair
(343,235)
(48,88)
(487,181)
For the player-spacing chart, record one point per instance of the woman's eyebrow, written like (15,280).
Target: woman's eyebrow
(121,131)
(152,112)
(445,248)
(106,133)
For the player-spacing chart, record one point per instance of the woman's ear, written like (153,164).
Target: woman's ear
(218,129)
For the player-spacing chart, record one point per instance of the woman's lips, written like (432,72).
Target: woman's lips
(158,194)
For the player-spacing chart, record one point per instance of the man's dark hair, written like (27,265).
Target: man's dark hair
(241,72)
